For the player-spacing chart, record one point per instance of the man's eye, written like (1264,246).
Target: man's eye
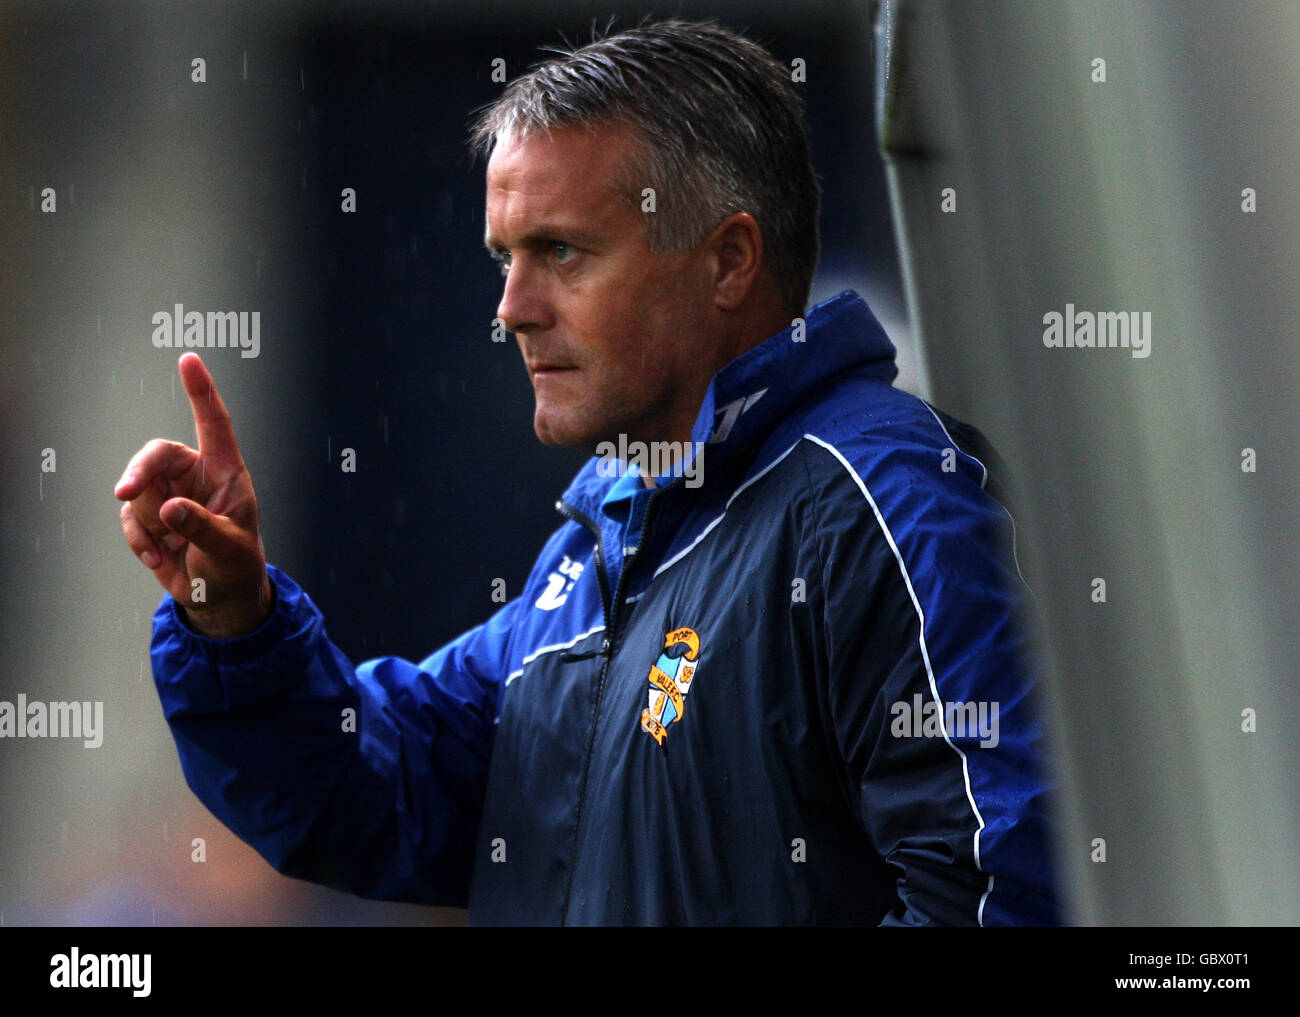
(563,252)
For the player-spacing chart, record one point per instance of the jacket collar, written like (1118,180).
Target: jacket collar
(753,393)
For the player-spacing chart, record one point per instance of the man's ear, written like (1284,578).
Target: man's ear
(735,250)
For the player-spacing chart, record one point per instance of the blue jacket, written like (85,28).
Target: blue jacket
(751,698)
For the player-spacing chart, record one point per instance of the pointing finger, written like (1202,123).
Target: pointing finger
(211,420)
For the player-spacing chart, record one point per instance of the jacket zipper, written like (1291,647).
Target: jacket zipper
(611,606)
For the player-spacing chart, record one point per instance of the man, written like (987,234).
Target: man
(726,693)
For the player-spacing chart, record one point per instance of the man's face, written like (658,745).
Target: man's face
(615,338)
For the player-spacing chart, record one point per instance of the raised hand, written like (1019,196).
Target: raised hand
(192,518)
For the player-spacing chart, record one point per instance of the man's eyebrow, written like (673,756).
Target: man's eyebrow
(545,234)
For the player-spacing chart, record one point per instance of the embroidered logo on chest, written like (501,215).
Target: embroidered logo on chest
(670,680)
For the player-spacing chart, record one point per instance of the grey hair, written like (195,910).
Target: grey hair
(721,129)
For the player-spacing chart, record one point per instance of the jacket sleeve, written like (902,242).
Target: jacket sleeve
(932,693)
(368,779)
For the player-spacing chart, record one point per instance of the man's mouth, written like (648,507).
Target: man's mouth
(547,369)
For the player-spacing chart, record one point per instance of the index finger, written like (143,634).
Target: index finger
(216,433)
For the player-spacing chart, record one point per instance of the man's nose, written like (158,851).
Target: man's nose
(524,306)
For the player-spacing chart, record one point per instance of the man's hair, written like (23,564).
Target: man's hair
(721,130)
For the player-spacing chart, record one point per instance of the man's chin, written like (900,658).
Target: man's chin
(555,434)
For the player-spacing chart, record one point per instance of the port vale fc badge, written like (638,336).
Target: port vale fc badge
(670,680)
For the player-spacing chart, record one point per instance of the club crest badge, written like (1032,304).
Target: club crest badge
(670,680)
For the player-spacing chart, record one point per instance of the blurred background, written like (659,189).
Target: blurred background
(127,187)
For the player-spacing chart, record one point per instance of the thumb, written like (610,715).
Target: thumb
(213,534)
